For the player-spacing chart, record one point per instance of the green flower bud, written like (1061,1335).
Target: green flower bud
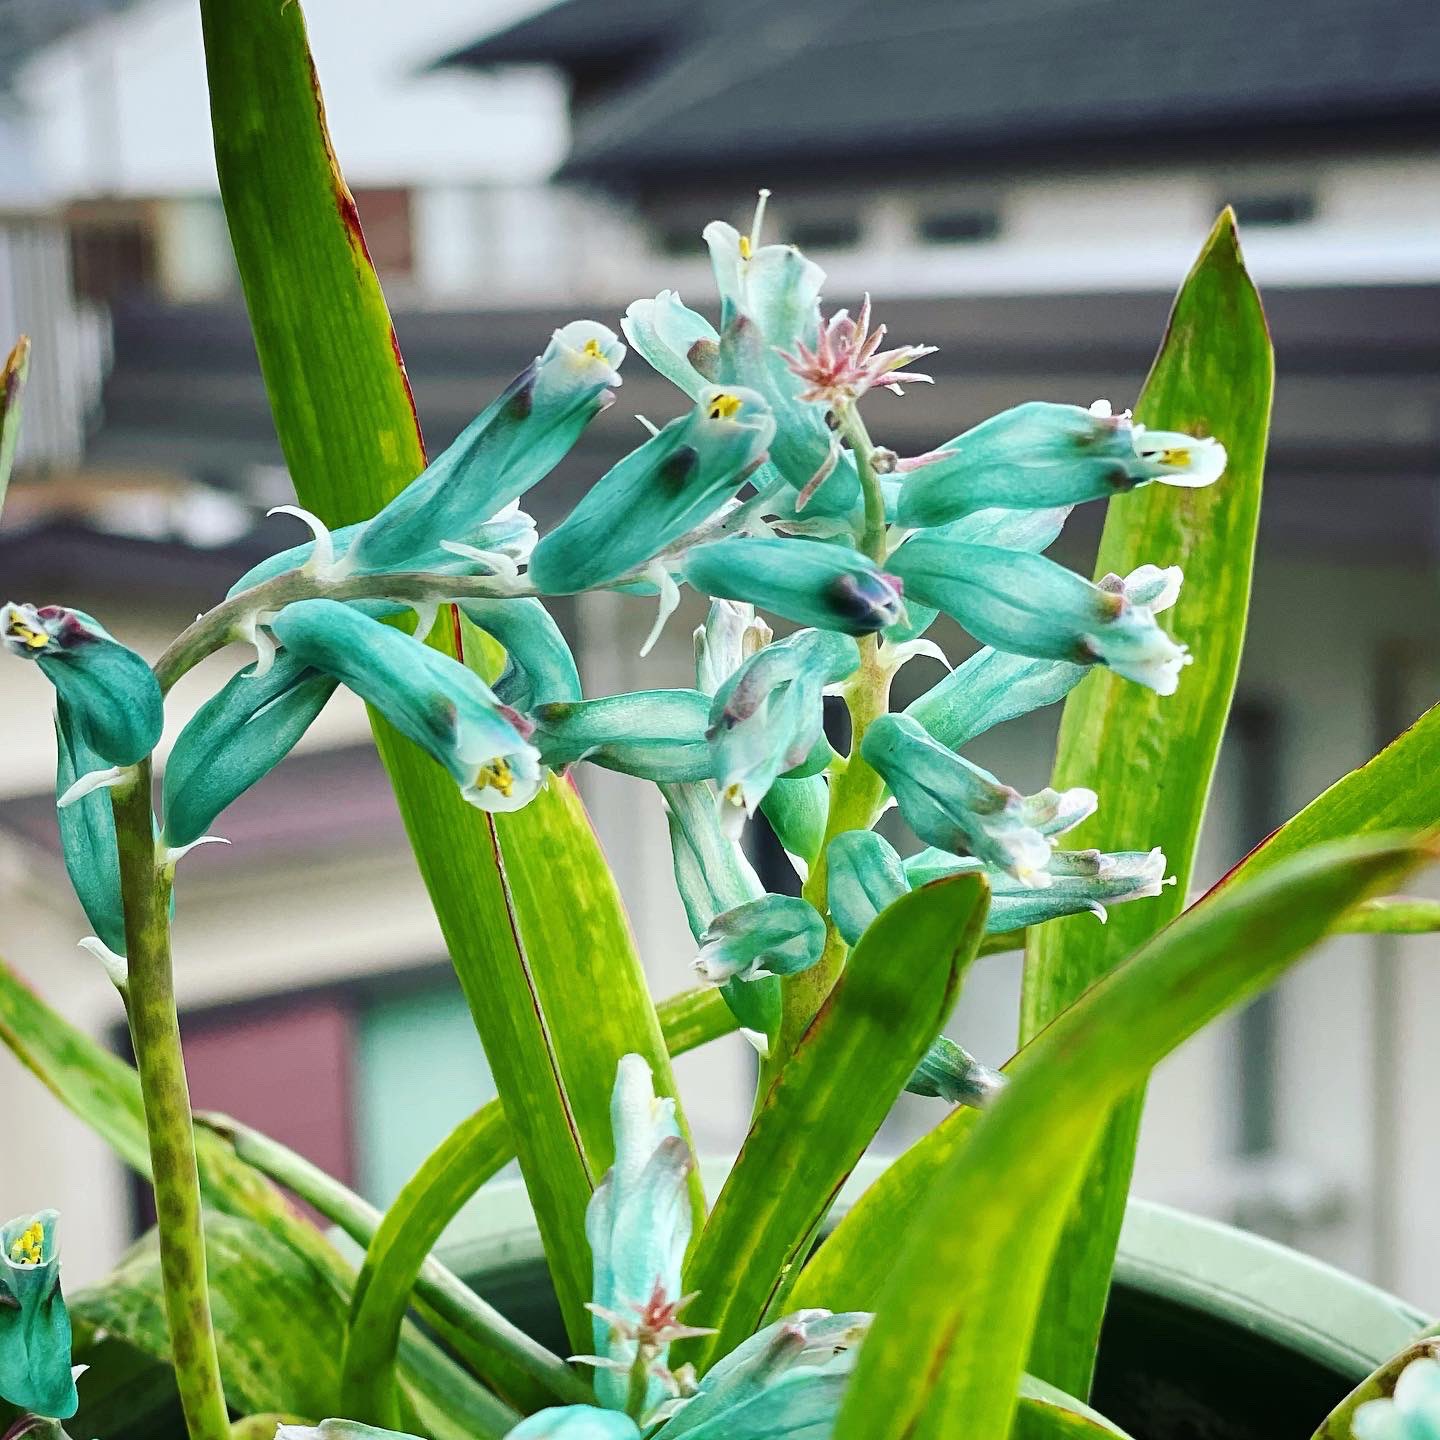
(653,734)
(34,1325)
(950,1073)
(831,587)
(957,806)
(865,875)
(774,935)
(235,739)
(1029,605)
(657,494)
(1039,454)
(768,717)
(797,810)
(538,664)
(87,835)
(113,697)
(431,699)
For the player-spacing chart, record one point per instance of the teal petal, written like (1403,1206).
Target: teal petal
(831,587)
(864,875)
(653,734)
(958,807)
(1039,454)
(990,687)
(576,1422)
(951,1073)
(113,697)
(431,699)
(539,665)
(638,1224)
(675,341)
(236,738)
(768,718)
(658,494)
(731,634)
(797,810)
(34,1324)
(772,935)
(712,875)
(87,835)
(1028,605)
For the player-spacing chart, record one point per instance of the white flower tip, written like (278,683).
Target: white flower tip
(173,854)
(322,558)
(105,779)
(115,966)
(669,603)
(759,1042)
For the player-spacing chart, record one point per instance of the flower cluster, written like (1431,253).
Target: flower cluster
(765,494)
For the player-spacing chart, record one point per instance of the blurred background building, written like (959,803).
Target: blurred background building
(1023,184)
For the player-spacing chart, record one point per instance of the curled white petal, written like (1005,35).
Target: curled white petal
(115,966)
(669,603)
(908,650)
(496,561)
(759,1041)
(96,780)
(322,557)
(253,632)
(426,613)
(173,854)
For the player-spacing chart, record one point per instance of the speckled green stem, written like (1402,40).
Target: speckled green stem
(855,789)
(155,1030)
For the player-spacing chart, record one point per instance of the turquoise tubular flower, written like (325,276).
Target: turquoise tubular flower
(34,1324)
(113,697)
(831,587)
(658,494)
(1079,882)
(768,717)
(236,738)
(712,875)
(512,445)
(1031,530)
(675,341)
(431,699)
(797,810)
(957,806)
(539,666)
(1040,454)
(1029,605)
(576,1422)
(993,686)
(87,835)
(785,1383)
(509,536)
(638,1225)
(653,734)
(865,875)
(951,1073)
(1412,1413)
(774,935)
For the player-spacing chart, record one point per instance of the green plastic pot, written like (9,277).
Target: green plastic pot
(1211,1333)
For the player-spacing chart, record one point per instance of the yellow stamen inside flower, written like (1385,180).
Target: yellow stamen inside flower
(496,775)
(745,250)
(34,639)
(28,1248)
(592,350)
(723,407)
(1179,458)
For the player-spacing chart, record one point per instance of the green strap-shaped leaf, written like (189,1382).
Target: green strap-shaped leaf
(539,940)
(12,386)
(827,1103)
(1394,790)
(944,1357)
(104,1092)
(1150,758)
(1045,1413)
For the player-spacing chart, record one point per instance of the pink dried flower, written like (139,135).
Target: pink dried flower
(847,360)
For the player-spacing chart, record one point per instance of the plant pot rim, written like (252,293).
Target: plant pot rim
(1258,1287)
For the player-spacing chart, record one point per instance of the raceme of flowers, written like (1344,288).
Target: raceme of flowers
(766,494)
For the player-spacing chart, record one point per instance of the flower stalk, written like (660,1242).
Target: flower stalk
(155,1033)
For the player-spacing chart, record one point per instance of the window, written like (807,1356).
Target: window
(960,226)
(840,232)
(1277,207)
(385,216)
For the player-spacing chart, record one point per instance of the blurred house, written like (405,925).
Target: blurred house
(1023,185)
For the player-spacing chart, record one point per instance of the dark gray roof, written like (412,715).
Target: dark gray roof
(29,25)
(820,82)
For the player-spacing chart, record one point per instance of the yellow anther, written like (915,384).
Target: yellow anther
(497,776)
(28,1248)
(723,407)
(745,250)
(591,349)
(34,639)
(1179,458)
